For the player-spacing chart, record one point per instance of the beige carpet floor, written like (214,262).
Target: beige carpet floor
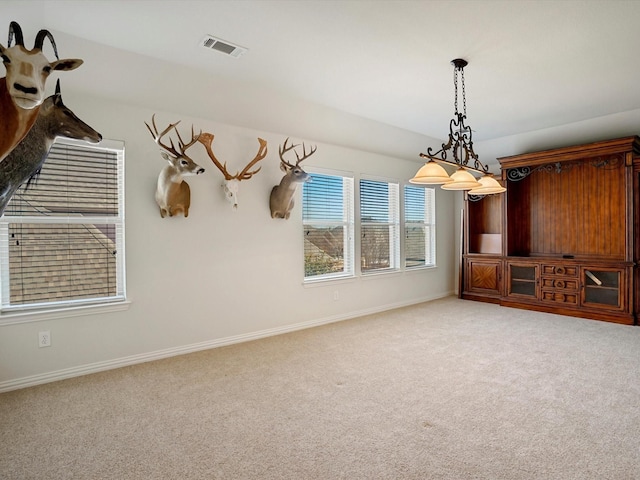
(448,389)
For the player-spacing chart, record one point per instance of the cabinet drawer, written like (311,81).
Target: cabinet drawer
(564,298)
(569,284)
(564,270)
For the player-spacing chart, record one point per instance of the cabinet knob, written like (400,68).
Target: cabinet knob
(559,283)
(560,270)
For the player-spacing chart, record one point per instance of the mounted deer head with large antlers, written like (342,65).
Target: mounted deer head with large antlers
(231,183)
(26,160)
(281,200)
(22,90)
(172,193)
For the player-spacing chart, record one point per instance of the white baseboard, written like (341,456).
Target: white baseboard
(63,374)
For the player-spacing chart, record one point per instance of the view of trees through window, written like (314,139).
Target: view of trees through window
(328,226)
(328,222)
(379,225)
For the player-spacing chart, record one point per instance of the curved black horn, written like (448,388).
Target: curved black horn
(14,29)
(58,87)
(40,39)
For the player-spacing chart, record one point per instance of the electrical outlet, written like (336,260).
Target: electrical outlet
(44,339)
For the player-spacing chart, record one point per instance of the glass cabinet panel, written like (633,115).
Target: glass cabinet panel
(522,280)
(602,287)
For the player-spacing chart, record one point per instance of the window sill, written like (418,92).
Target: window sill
(381,273)
(391,272)
(13,318)
(420,269)
(331,280)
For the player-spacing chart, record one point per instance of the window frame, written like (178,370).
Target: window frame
(21,313)
(428,223)
(348,222)
(394,225)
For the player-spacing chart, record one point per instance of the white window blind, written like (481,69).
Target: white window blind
(62,234)
(380,226)
(419,219)
(328,223)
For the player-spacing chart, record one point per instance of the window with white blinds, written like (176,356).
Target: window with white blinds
(328,224)
(379,226)
(62,233)
(419,226)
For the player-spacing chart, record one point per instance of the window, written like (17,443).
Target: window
(380,226)
(62,234)
(419,226)
(327,217)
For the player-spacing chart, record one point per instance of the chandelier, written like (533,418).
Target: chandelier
(460,147)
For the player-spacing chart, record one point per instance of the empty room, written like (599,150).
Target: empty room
(320,239)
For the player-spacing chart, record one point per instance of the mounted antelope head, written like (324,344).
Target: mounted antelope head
(231,183)
(26,160)
(172,193)
(22,90)
(281,200)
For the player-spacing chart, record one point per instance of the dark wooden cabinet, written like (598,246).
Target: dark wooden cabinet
(483,278)
(564,238)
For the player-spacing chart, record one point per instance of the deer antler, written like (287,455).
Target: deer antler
(171,149)
(262,152)
(284,149)
(206,139)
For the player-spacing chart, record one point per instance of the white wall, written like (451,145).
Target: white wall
(220,275)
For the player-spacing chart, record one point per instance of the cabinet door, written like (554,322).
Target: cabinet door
(603,288)
(522,280)
(483,276)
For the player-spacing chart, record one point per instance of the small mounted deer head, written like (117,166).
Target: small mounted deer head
(231,183)
(281,200)
(172,193)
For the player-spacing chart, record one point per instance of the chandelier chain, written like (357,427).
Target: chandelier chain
(455,89)
(464,95)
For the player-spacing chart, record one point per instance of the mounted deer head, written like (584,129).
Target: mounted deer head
(25,161)
(281,200)
(22,90)
(231,183)
(172,193)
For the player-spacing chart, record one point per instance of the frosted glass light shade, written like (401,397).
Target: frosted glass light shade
(488,186)
(462,180)
(431,174)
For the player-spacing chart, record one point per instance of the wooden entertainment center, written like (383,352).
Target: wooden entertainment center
(563,238)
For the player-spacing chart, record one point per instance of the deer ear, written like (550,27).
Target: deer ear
(167,157)
(283,167)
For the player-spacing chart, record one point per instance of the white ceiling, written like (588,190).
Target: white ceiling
(532,64)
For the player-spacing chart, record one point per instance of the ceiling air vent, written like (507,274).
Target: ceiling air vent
(212,43)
